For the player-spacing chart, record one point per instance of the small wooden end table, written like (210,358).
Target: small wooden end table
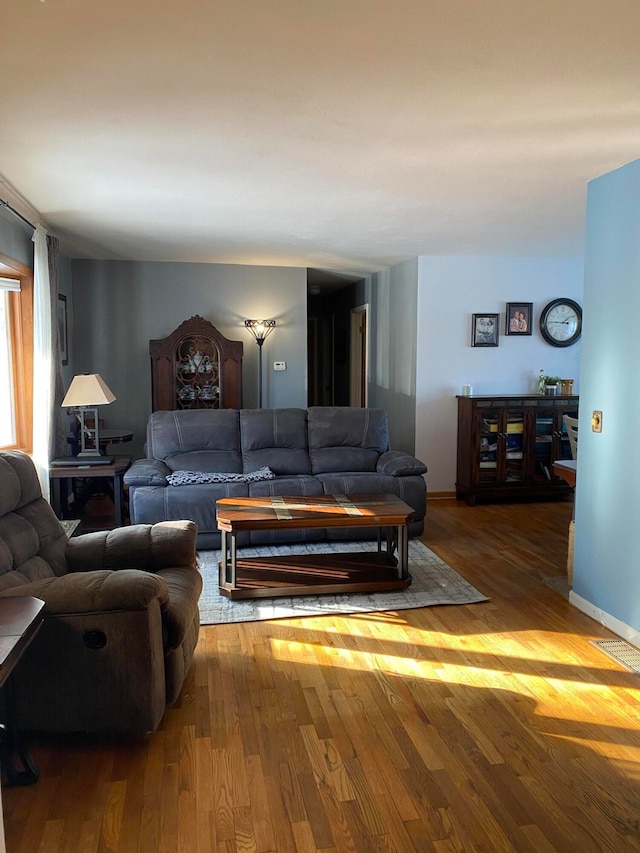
(61,475)
(20,620)
(314,574)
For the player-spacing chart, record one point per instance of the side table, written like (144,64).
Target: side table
(61,476)
(20,620)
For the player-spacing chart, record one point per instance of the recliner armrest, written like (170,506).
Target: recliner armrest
(96,592)
(147,472)
(396,463)
(142,546)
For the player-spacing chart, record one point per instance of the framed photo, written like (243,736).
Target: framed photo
(63,328)
(518,319)
(484,330)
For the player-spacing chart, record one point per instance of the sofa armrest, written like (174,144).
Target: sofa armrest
(142,546)
(147,472)
(96,592)
(396,463)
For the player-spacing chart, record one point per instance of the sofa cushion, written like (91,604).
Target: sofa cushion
(301,484)
(172,503)
(199,440)
(345,439)
(411,490)
(276,438)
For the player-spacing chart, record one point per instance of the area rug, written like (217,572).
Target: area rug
(434,582)
(559,584)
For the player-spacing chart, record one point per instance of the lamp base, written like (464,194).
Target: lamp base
(89,457)
(80,461)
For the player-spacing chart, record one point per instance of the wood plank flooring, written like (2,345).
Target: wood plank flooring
(487,727)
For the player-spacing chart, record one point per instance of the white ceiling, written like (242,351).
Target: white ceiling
(339,134)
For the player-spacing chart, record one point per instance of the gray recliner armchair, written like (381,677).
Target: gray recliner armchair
(121,616)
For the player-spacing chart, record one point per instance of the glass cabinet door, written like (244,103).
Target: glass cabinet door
(514,450)
(488,454)
(543,436)
(197,373)
(551,439)
(501,452)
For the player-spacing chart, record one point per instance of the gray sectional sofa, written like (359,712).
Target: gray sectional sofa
(315,451)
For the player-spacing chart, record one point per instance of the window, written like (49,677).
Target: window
(16,354)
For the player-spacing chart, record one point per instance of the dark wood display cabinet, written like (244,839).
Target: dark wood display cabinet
(196,367)
(507,446)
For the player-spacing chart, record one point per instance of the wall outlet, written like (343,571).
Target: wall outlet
(596,421)
(279,365)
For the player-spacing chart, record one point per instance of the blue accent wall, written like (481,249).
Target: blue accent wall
(607,547)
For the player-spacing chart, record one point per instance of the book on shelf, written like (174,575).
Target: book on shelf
(544,469)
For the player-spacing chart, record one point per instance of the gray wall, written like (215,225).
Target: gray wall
(393,304)
(120,305)
(15,238)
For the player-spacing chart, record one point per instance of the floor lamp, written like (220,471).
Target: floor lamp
(260,329)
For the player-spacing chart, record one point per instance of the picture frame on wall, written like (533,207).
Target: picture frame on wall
(519,317)
(63,328)
(484,330)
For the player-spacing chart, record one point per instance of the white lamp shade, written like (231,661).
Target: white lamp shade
(88,389)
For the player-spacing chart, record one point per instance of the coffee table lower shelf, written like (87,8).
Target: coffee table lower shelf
(313,574)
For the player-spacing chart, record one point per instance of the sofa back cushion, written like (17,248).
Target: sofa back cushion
(276,438)
(346,439)
(196,440)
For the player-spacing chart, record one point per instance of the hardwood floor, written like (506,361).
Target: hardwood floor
(488,727)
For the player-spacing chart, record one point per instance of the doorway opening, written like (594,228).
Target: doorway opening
(336,351)
(358,361)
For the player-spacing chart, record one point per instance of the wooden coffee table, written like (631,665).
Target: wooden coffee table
(314,574)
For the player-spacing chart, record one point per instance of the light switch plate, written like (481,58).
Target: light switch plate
(279,365)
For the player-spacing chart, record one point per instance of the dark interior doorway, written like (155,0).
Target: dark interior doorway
(330,300)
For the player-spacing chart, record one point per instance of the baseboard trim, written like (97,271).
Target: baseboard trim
(441,496)
(623,630)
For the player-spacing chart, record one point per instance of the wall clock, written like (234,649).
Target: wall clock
(561,322)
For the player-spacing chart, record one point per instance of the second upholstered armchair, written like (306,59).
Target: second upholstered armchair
(121,616)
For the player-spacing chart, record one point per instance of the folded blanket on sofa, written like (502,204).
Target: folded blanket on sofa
(187,478)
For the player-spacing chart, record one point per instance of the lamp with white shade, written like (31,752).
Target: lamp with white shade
(86,392)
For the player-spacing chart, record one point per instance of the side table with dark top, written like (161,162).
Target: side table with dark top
(61,478)
(20,620)
(107,437)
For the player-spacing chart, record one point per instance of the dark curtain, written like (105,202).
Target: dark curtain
(58,445)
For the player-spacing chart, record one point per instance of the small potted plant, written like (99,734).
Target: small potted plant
(551,384)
